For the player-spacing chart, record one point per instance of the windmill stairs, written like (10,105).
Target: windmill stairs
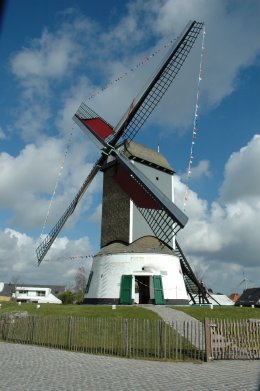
(195,289)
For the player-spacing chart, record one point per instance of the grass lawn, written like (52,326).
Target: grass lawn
(86,311)
(221,312)
(129,312)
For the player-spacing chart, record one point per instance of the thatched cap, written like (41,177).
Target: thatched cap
(142,154)
(146,244)
(147,156)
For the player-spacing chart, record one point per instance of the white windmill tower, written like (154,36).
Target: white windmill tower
(139,260)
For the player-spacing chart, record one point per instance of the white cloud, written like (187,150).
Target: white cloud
(49,58)
(242,173)
(231,29)
(96,216)
(29,180)
(202,169)
(52,55)
(18,259)
(2,134)
(226,232)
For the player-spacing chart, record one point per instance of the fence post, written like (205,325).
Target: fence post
(207,332)
(160,339)
(3,321)
(33,328)
(126,336)
(69,331)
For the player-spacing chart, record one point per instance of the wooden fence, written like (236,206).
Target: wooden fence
(138,338)
(233,340)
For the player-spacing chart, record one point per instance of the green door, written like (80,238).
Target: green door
(126,290)
(158,290)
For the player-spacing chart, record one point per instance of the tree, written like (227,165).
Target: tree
(80,284)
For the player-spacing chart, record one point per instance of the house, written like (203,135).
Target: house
(38,295)
(234,297)
(250,297)
(216,299)
(31,293)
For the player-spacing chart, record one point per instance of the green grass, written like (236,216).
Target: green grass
(218,312)
(86,311)
(138,338)
(129,312)
(127,331)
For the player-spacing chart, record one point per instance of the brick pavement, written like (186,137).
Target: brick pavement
(32,368)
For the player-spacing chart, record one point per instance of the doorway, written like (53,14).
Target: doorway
(142,287)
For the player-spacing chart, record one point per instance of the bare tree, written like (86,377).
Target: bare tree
(13,284)
(80,284)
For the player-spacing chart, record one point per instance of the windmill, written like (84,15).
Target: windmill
(245,281)
(163,218)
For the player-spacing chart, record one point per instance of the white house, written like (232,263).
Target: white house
(39,295)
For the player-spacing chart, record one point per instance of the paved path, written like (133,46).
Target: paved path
(175,317)
(169,314)
(32,368)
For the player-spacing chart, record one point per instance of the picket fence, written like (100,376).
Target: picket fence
(233,340)
(138,338)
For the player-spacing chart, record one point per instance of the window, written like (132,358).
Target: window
(40,293)
(23,292)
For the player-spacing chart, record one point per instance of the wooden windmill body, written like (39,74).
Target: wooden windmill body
(133,266)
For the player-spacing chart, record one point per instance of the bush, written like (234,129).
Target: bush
(67,297)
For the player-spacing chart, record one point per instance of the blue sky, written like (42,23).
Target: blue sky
(55,54)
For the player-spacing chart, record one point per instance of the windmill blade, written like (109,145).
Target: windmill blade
(144,104)
(162,215)
(96,128)
(45,245)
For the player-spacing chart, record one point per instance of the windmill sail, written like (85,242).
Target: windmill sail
(144,103)
(93,125)
(142,106)
(162,215)
(45,245)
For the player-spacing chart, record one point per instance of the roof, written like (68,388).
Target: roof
(234,297)
(250,296)
(220,299)
(146,155)
(146,244)
(141,154)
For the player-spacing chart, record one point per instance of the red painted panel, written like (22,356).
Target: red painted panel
(132,188)
(98,126)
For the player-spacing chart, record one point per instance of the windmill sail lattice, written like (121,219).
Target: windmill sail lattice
(166,218)
(162,215)
(161,81)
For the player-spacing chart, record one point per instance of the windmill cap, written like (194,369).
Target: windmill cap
(147,156)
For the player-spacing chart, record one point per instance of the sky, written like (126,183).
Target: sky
(56,54)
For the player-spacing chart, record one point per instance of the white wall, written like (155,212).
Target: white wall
(108,270)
